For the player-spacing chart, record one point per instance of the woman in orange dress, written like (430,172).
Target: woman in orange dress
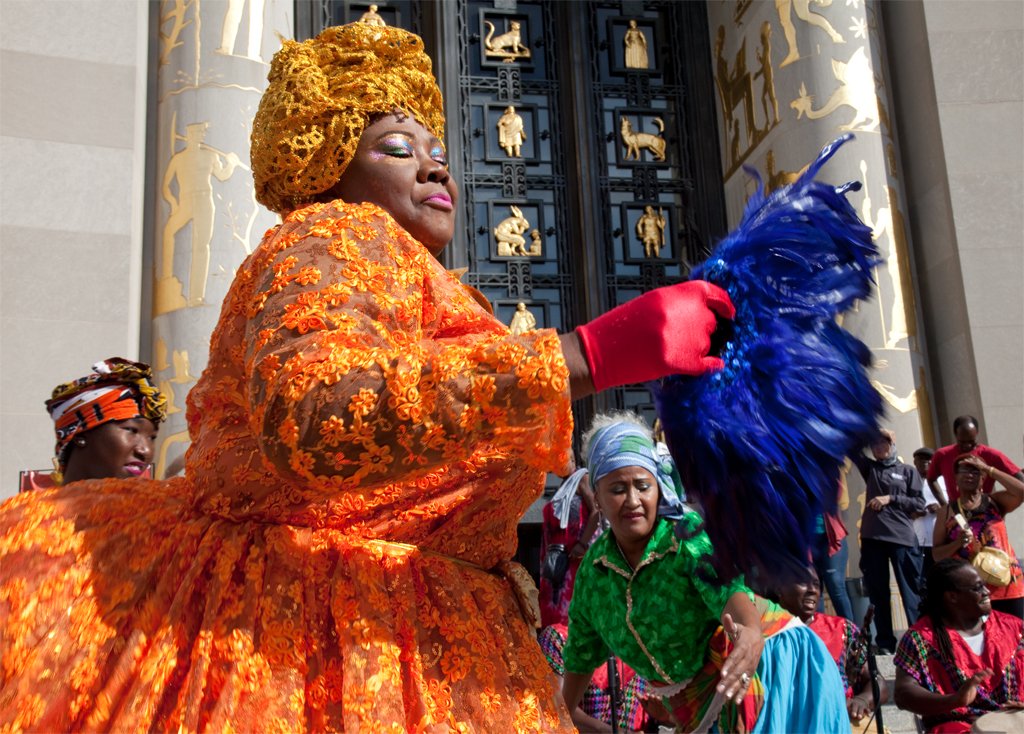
(365,438)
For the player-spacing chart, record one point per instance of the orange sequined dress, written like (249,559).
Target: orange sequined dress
(365,439)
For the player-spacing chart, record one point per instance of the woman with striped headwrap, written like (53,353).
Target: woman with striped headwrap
(106,422)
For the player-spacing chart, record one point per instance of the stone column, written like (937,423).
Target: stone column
(212,63)
(791,75)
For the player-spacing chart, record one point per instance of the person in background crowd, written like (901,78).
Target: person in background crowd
(646,593)
(569,523)
(365,438)
(924,524)
(594,712)
(829,556)
(961,659)
(984,517)
(841,637)
(893,496)
(965,429)
(106,422)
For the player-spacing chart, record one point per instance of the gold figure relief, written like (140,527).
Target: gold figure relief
(636,48)
(901,404)
(511,132)
(802,8)
(778,178)
(522,320)
(372,17)
(173,12)
(769,102)
(650,228)
(917,399)
(164,468)
(192,167)
(233,21)
(856,89)
(507,46)
(509,236)
(535,244)
(634,141)
(892,168)
(734,83)
(742,6)
(888,220)
(735,88)
(734,143)
(181,374)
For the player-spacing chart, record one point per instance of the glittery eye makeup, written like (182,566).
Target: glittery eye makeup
(395,146)
(400,145)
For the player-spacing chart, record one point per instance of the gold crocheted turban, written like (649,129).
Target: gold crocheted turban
(322,95)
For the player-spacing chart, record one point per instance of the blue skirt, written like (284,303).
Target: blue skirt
(803,693)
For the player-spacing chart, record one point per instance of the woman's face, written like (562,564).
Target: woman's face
(968,478)
(881,448)
(628,497)
(117,449)
(401,167)
(801,598)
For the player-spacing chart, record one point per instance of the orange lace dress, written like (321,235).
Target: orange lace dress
(365,438)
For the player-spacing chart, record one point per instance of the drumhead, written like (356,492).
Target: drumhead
(1000,722)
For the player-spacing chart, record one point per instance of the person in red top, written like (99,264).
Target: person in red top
(961,659)
(965,429)
(568,527)
(841,637)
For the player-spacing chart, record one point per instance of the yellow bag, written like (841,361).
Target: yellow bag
(994,566)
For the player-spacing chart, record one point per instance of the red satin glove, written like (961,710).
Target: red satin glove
(666,331)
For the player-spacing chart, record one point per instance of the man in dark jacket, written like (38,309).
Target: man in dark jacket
(894,496)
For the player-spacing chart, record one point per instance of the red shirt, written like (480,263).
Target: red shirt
(944,458)
(1002,657)
(839,636)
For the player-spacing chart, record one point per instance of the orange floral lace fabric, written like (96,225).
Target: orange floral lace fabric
(365,439)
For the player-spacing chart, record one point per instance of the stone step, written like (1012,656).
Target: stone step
(895,720)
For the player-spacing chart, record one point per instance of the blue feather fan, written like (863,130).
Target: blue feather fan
(760,443)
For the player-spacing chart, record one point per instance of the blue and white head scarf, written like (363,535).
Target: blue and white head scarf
(620,445)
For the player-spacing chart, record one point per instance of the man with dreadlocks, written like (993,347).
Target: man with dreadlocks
(961,660)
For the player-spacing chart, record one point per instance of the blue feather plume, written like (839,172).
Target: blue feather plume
(759,444)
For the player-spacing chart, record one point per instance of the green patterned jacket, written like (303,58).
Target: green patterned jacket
(658,618)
